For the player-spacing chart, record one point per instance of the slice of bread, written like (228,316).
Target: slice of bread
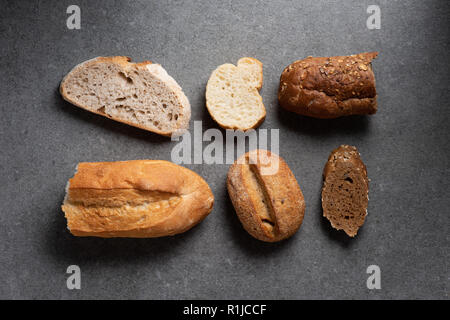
(232,95)
(139,94)
(345,192)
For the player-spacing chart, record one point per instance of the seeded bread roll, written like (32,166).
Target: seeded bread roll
(266,196)
(138,199)
(139,94)
(330,87)
(345,192)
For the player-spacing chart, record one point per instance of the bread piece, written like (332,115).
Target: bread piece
(232,95)
(330,87)
(270,206)
(345,192)
(138,199)
(139,94)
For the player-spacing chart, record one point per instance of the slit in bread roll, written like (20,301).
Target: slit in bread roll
(270,205)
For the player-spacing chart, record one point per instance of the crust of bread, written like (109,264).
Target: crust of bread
(330,87)
(258,87)
(345,170)
(273,209)
(125,62)
(139,199)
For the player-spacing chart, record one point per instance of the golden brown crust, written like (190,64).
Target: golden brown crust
(256,125)
(126,63)
(345,190)
(270,206)
(330,87)
(140,198)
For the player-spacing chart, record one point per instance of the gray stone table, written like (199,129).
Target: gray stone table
(405,147)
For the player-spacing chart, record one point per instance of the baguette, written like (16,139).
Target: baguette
(345,192)
(270,206)
(330,87)
(139,199)
(139,94)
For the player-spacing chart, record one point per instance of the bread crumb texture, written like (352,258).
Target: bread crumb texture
(232,95)
(139,94)
(345,190)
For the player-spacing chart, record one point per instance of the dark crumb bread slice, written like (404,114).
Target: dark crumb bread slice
(345,190)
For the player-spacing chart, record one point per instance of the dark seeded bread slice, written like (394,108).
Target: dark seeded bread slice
(345,190)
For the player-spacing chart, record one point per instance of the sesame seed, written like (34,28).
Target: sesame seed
(362,66)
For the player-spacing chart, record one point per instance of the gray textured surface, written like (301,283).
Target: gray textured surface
(405,147)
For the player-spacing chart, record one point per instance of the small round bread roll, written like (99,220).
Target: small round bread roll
(266,196)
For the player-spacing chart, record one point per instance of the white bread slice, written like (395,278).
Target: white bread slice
(139,94)
(232,95)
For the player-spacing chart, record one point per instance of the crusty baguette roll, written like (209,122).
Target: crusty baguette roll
(345,192)
(138,199)
(269,203)
(232,95)
(139,94)
(330,87)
